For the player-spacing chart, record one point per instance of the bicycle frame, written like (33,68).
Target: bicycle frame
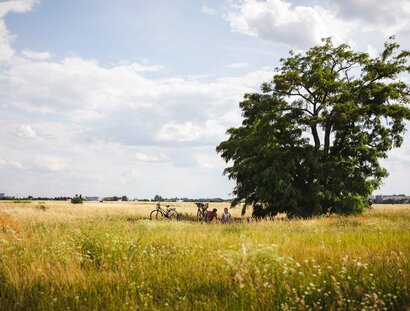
(165,212)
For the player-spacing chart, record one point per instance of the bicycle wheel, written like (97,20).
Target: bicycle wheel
(173,215)
(156,214)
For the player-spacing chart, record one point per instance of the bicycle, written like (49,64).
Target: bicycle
(202,209)
(159,213)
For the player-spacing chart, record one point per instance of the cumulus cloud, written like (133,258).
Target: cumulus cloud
(36,55)
(15,164)
(18,6)
(11,163)
(92,123)
(25,131)
(237,65)
(279,21)
(305,24)
(208,131)
(141,156)
(388,17)
(115,122)
(52,163)
(207,10)
(120,104)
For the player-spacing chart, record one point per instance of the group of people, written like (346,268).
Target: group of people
(212,215)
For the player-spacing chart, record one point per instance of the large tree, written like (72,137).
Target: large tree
(311,141)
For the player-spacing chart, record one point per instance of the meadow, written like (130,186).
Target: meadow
(109,256)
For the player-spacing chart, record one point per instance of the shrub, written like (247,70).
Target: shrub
(77,199)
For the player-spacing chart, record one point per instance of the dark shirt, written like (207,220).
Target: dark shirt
(210,215)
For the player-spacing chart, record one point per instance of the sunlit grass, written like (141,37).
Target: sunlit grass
(109,256)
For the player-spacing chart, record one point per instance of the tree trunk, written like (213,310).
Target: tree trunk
(315,136)
(327,139)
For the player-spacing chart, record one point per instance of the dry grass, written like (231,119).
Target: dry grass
(107,256)
(65,211)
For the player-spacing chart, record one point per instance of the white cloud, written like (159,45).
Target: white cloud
(205,161)
(305,24)
(161,157)
(18,6)
(118,103)
(11,163)
(186,131)
(140,67)
(36,55)
(15,164)
(52,163)
(207,10)
(237,65)
(105,122)
(387,17)
(25,131)
(371,51)
(205,132)
(279,21)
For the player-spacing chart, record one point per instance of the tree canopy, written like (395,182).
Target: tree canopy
(311,140)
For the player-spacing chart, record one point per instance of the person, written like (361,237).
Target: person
(370,202)
(226,216)
(211,215)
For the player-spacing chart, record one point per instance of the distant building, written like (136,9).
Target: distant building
(2,195)
(92,198)
(395,198)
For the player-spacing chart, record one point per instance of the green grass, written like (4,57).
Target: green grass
(120,263)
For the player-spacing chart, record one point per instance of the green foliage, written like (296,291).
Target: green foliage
(310,143)
(158,198)
(77,199)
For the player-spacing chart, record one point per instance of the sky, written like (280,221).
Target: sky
(131,97)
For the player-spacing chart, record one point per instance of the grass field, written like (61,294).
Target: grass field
(108,256)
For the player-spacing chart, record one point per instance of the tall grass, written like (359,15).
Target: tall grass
(109,257)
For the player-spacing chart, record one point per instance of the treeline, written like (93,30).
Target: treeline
(31,198)
(394,201)
(159,198)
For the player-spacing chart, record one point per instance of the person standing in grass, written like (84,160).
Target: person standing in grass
(370,203)
(211,215)
(226,216)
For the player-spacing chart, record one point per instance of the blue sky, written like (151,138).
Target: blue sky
(131,97)
(177,34)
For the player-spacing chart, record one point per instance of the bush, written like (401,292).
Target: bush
(78,199)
